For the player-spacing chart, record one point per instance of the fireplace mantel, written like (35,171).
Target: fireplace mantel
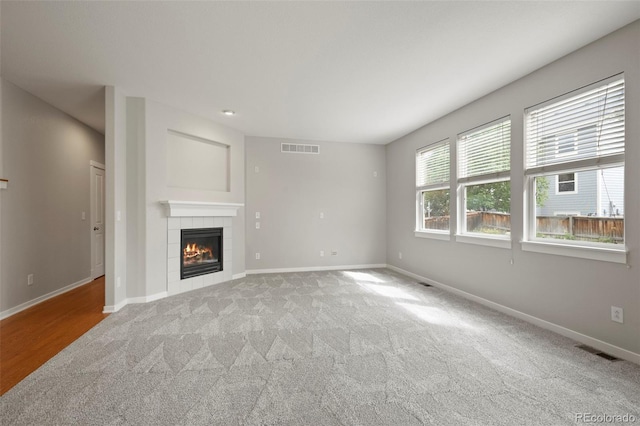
(200,209)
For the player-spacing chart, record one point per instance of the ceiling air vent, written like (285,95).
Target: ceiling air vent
(298,148)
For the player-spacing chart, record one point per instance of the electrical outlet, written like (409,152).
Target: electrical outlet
(257,169)
(375,174)
(84,216)
(257,225)
(321,253)
(334,252)
(257,256)
(30,279)
(399,255)
(321,215)
(617,314)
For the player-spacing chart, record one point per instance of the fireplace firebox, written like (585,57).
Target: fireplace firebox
(201,252)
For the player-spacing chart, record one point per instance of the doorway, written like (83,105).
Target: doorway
(97,219)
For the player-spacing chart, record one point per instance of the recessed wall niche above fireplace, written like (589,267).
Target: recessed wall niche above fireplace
(202,252)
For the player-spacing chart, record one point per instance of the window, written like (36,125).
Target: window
(484,187)
(432,188)
(581,133)
(567,183)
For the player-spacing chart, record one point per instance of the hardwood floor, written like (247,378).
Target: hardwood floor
(30,338)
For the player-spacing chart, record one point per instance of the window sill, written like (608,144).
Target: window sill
(604,254)
(434,235)
(484,240)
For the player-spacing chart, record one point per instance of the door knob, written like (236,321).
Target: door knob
(95,228)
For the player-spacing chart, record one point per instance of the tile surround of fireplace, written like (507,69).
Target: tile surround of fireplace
(196,215)
(174,253)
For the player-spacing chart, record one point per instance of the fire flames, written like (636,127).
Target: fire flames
(195,252)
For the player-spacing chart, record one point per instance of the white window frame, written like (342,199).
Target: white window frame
(420,230)
(575,184)
(462,235)
(616,253)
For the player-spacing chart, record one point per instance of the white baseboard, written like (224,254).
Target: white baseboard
(147,299)
(132,300)
(238,276)
(314,268)
(12,311)
(579,337)
(109,309)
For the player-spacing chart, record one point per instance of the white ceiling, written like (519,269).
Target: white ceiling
(338,71)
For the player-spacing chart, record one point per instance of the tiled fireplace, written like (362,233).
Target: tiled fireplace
(202,217)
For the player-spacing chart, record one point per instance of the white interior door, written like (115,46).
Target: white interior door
(97,222)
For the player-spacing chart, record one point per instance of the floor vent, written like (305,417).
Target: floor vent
(607,356)
(597,352)
(298,148)
(425,284)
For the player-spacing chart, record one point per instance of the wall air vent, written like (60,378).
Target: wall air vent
(298,148)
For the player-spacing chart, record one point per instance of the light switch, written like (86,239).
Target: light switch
(257,215)
(84,216)
(257,225)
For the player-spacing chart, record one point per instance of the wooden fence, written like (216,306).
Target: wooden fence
(488,222)
(587,228)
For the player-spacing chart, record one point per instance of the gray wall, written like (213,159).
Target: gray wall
(569,292)
(291,190)
(45,156)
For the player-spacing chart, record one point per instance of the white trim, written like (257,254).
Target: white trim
(110,309)
(575,183)
(434,235)
(485,240)
(238,276)
(200,208)
(314,268)
(147,299)
(12,311)
(573,250)
(134,300)
(96,164)
(566,332)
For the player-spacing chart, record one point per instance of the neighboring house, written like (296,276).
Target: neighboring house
(589,193)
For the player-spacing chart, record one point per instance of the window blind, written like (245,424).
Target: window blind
(485,151)
(432,164)
(586,128)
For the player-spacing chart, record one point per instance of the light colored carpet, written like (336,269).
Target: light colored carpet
(367,347)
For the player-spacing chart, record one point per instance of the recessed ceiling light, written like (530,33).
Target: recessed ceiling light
(228,112)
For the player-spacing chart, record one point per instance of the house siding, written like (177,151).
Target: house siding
(584,202)
(611,190)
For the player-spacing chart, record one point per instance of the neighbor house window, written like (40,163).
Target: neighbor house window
(581,133)
(567,183)
(432,188)
(484,187)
